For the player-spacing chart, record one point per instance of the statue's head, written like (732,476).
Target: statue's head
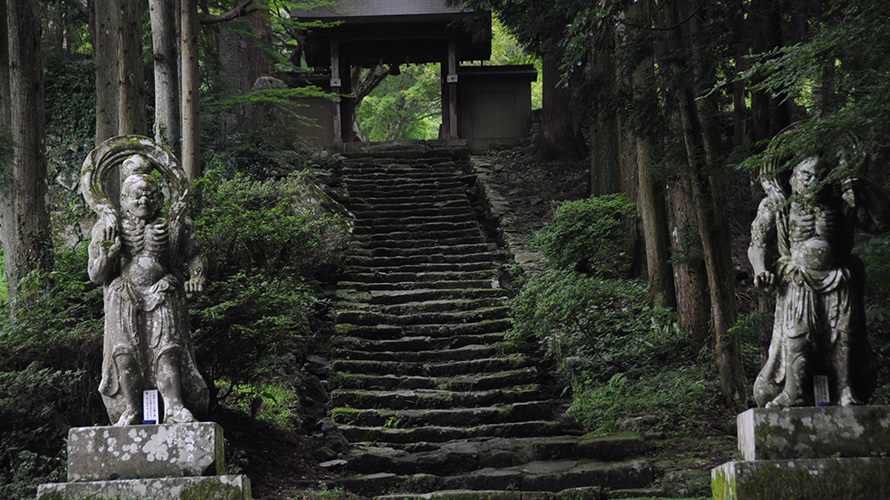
(141,196)
(807,175)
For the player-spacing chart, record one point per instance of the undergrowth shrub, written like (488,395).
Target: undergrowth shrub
(593,236)
(621,356)
(266,241)
(49,371)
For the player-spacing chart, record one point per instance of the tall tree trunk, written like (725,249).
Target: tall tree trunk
(702,140)
(605,152)
(560,128)
(191,132)
(105,47)
(166,73)
(4,69)
(769,115)
(27,240)
(132,107)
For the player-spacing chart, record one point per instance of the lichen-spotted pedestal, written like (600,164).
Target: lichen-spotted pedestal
(812,453)
(157,462)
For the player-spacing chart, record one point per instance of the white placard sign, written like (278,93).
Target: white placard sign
(150,413)
(820,388)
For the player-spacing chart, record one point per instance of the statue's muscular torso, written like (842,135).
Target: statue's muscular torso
(817,236)
(144,250)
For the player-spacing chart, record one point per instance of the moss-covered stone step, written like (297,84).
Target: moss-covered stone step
(366,173)
(378,219)
(422,228)
(441,434)
(452,417)
(424,267)
(359,317)
(425,198)
(441,369)
(408,192)
(387,207)
(475,248)
(393,332)
(466,383)
(418,243)
(357,186)
(413,260)
(470,455)
(432,399)
(582,493)
(419,343)
(444,305)
(467,235)
(387,297)
(429,210)
(534,476)
(463,353)
(423,278)
(356,286)
(395,155)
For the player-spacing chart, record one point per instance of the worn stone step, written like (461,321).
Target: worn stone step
(407,192)
(534,476)
(466,383)
(353,184)
(425,198)
(441,434)
(392,332)
(428,267)
(432,399)
(412,260)
(451,417)
(414,343)
(443,369)
(418,243)
(416,211)
(387,207)
(475,248)
(463,353)
(582,493)
(371,172)
(422,278)
(359,317)
(356,286)
(435,227)
(380,220)
(470,234)
(470,455)
(417,295)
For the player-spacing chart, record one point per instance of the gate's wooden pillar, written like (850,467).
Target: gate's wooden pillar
(452,129)
(336,85)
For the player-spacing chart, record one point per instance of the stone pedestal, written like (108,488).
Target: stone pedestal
(809,453)
(158,462)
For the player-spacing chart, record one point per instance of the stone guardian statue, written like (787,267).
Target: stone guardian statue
(801,243)
(144,252)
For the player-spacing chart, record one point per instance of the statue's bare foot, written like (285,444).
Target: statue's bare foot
(848,398)
(783,400)
(128,417)
(179,415)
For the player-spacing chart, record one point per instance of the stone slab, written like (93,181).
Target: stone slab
(814,432)
(805,479)
(145,451)
(236,487)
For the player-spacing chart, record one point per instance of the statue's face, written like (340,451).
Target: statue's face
(805,176)
(140,196)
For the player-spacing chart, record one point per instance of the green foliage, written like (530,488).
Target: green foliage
(264,241)
(404,106)
(49,366)
(272,403)
(684,398)
(592,235)
(621,356)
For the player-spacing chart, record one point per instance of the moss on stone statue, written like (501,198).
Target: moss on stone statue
(842,480)
(722,488)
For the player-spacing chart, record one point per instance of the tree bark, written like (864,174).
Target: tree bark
(559,124)
(4,68)
(702,140)
(132,107)
(27,240)
(191,132)
(105,47)
(166,73)
(605,174)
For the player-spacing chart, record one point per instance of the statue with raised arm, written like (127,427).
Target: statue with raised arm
(143,250)
(801,244)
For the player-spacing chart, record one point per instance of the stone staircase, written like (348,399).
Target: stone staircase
(427,391)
